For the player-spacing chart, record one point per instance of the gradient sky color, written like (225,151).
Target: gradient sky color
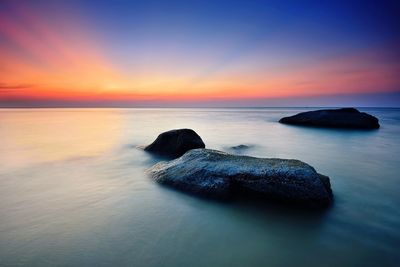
(199,53)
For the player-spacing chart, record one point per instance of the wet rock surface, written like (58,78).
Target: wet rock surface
(217,174)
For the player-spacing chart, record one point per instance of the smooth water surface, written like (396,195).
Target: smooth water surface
(73,192)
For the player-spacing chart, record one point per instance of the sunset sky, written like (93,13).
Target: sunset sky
(199,53)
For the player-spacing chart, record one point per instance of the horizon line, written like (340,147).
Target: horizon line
(194,107)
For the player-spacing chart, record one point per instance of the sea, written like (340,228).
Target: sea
(74,191)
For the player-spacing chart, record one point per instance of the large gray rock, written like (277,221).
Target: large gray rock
(175,143)
(336,118)
(217,174)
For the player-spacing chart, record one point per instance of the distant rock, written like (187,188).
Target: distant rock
(217,174)
(334,118)
(175,143)
(240,147)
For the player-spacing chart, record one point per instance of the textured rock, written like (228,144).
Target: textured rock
(175,143)
(336,118)
(217,174)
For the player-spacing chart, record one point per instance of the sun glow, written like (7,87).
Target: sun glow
(46,57)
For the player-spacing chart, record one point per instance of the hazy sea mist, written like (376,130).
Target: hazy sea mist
(73,192)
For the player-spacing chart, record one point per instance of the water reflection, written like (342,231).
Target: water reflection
(41,135)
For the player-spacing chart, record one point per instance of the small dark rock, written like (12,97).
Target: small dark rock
(335,118)
(175,143)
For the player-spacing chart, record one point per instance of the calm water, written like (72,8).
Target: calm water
(73,192)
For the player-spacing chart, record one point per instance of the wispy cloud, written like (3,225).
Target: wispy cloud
(14,87)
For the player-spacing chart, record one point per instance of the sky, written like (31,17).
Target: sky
(199,53)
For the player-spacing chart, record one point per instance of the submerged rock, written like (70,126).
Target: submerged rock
(240,147)
(175,143)
(220,175)
(336,118)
